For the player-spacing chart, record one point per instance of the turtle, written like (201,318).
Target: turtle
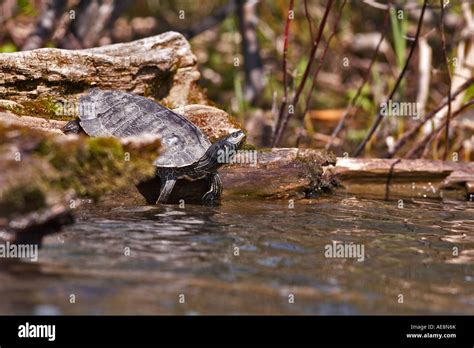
(188,153)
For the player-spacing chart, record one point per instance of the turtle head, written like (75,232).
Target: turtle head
(234,140)
(222,151)
(227,147)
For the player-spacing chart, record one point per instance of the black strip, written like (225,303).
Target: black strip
(276,330)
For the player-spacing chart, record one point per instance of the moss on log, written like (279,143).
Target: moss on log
(43,172)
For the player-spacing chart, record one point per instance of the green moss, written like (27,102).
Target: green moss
(93,166)
(22,199)
(320,181)
(41,107)
(89,166)
(319,158)
(248,147)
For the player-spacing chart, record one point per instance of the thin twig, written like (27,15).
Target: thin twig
(322,58)
(408,134)
(284,102)
(379,117)
(354,100)
(425,143)
(408,7)
(446,59)
(299,90)
(389,178)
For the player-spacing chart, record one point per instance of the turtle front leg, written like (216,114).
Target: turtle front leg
(212,196)
(166,188)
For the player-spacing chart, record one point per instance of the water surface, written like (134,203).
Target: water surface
(252,257)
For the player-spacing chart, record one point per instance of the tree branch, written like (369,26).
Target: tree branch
(300,88)
(446,59)
(354,100)
(408,134)
(284,63)
(379,117)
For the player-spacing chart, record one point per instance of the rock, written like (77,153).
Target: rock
(213,122)
(162,67)
(38,123)
(43,172)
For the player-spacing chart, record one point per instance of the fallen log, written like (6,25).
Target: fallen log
(393,179)
(282,173)
(299,174)
(162,67)
(274,174)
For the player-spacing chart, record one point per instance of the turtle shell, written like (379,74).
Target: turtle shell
(120,114)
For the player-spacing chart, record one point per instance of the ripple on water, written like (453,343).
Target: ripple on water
(220,252)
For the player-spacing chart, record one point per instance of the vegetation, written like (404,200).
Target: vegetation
(343,57)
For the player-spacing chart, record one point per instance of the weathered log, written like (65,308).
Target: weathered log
(297,174)
(162,67)
(274,174)
(391,178)
(282,173)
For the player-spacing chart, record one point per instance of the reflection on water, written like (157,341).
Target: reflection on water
(250,256)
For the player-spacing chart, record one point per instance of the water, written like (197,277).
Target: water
(252,257)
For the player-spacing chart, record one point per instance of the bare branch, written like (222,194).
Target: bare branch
(354,100)
(284,102)
(379,117)
(446,59)
(408,134)
(428,139)
(300,88)
(253,67)
(309,19)
(323,56)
